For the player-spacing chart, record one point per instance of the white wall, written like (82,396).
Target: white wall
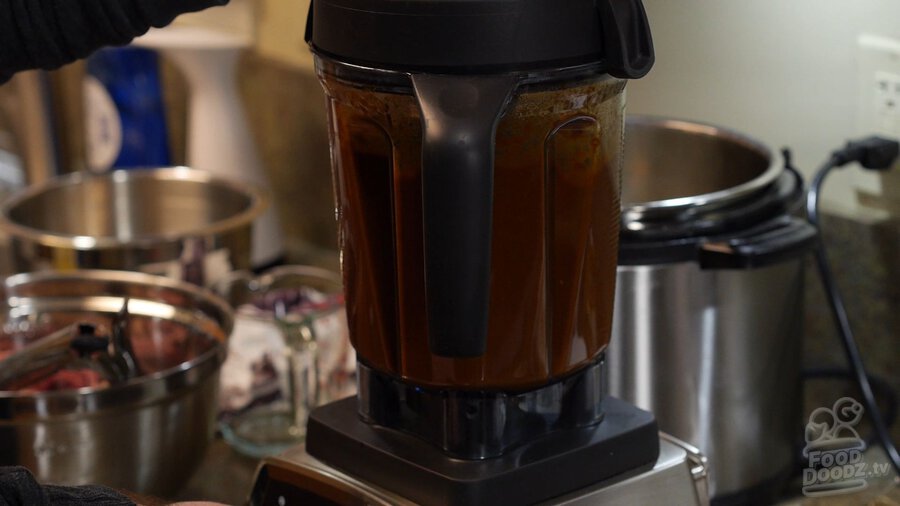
(782,71)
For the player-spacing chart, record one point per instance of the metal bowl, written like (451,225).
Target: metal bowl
(178,222)
(148,434)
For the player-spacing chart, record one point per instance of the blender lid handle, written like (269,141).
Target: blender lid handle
(308,31)
(627,43)
(459,121)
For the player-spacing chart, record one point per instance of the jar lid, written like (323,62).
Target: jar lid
(483,36)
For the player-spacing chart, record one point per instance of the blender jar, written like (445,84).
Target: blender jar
(476,148)
(554,231)
(476,151)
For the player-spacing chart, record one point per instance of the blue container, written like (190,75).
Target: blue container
(124,110)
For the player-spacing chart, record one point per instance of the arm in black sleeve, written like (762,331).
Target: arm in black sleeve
(18,487)
(47,34)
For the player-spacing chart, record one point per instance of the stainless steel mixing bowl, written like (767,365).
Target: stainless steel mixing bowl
(148,434)
(178,222)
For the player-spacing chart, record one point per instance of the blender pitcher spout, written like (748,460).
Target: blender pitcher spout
(459,121)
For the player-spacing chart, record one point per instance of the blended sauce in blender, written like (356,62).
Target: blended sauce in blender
(555,233)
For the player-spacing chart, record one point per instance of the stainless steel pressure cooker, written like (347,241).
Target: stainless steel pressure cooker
(709,302)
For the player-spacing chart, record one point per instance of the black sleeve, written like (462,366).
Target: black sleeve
(19,488)
(47,34)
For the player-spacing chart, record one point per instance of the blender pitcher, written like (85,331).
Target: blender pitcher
(476,148)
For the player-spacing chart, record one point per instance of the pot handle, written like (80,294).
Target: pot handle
(781,240)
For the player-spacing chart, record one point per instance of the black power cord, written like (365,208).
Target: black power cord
(874,153)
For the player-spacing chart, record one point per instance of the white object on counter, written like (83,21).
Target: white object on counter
(257,341)
(218,140)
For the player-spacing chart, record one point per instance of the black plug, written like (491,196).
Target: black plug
(87,342)
(874,153)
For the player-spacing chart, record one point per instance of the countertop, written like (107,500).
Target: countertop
(226,476)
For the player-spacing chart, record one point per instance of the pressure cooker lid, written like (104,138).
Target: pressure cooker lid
(781,197)
(483,36)
(784,196)
(756,232)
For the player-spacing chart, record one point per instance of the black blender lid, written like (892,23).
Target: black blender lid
(483,36)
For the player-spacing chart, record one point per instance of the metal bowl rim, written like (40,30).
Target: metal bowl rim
(138,385)
(635,210)
(259,202)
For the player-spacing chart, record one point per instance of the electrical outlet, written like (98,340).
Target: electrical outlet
(879,85)
(878,106)
(886,105)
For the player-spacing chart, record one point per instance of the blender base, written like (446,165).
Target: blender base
(626,443)
(482,424)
